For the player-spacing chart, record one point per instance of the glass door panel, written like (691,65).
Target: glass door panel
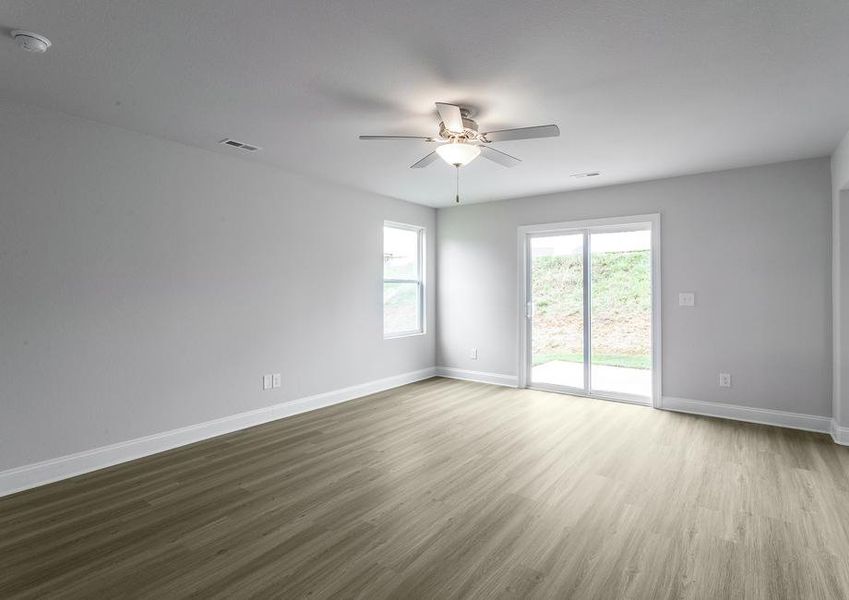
(556,291)
(621,313)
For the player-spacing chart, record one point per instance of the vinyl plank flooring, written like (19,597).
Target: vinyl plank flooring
(447,489)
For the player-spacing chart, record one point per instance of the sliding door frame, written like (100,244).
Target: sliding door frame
(601,225)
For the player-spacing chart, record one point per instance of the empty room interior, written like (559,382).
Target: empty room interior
(445,300)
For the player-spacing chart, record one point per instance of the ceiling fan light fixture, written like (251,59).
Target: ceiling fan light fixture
(458,153)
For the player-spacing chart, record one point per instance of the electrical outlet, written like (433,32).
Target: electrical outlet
(473,354)
(267,382)
(686,299)
(275,380)
(725,380)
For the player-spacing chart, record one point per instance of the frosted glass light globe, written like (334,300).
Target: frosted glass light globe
(458,153)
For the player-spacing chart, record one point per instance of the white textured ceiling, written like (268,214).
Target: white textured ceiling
(640,89)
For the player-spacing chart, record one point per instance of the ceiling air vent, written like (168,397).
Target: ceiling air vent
(239,145)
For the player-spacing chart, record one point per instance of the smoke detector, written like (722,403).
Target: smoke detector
(31,42)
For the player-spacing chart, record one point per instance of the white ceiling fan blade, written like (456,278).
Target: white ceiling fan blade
(523,133)
(425,161)
(451,116)
(398,137)
(497,156)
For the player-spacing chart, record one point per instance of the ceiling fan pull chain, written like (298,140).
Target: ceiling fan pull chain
(457,196)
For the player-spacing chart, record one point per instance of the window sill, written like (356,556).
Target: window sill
(405,334)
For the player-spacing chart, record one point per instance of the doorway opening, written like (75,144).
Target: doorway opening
(590,308)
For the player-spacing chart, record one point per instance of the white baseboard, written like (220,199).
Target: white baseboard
(839,434)
(55,469)
(764,416)
(479,376)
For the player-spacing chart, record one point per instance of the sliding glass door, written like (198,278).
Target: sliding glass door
(620,313)
(590,310)
(557,316)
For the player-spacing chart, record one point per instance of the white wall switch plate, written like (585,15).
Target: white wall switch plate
(266,382)
(725,380)
(686,299)
(275,380)
(473,354)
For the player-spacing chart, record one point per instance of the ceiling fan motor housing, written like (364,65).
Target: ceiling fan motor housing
(469,134)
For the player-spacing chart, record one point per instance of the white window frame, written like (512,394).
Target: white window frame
(420,281)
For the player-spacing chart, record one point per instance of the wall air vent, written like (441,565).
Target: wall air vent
(239,145)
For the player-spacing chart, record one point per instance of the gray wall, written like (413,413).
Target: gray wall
(840,279)
(754,244)
(146,285)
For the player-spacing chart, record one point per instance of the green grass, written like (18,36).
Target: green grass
(621,306)
(621,282)
(631,362)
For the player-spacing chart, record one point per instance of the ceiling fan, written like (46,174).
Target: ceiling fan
(460,141)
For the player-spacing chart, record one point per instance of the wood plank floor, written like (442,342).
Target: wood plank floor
(446,489)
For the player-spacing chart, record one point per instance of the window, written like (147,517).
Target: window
(403,280)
